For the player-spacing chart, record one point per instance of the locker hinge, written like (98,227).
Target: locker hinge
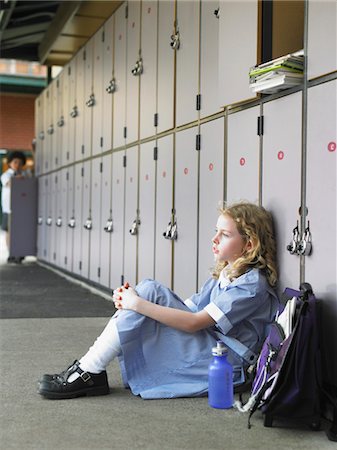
(198,103)
(82,172)
(65,260)
(84,55)
(197,142)
(101,167)
(124,132)
(103,36)
(124,161)
(80,265)
(156,119)
(101,141)
(260,124)
(69,70)
(126,16)
(67,176)
(99,272)
(82,149)
(155,153)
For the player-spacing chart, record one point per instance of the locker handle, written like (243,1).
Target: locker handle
(72,222)
(108,227)
(112,86)
(41,135)
(138,68)
(171,232)
(293,246)
(74,112)
(59,222)
(174,232)
(49,221)
(305,245)
(50,129)
(39,220)
(175,41)
(60,123)
(88,224)
(134,229)
(91,101)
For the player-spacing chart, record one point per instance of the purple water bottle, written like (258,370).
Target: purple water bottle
(220,379)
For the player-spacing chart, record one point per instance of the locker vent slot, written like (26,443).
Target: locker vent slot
(99,272)
(82,172)
(101,167)
(126,16)
(103,36)
(84,55)
(198,102)
(101,141)
(197,142)
(82,149)
(80,265)
(156,119)
(69,70)
(260,123)
(67,155)
(124,132)
(124,161)
(155,153)
(67,176)
(65,260)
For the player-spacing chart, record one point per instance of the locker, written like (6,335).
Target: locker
(48,127)
(187,69)
(209,44)
(72,107)
(238,28)
(243,156)
(281,172)
(320,266)
(132,226)
(118,219)
(106,221)
(147,184)
(89,97)
(39,135)
(41,219)
(53,128)
(59,121)
(78,218)
(62,218)
(148,99)
(79,104)
(211,191)
(87,220)
(97,108)
(165,77)
(54,232)
(119,103)
(132,74)
(322,38)
(95,232)
(71,223)
(107,83)
(49,219)
(186,206)
(164,204)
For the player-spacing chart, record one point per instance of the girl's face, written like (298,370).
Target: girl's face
(16,164)
(228,244)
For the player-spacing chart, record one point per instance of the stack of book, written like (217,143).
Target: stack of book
(274,76)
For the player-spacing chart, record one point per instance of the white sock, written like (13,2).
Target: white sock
(106,347)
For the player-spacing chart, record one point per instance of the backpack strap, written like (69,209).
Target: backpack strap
(242,350)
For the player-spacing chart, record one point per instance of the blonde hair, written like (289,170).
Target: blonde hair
(255,225)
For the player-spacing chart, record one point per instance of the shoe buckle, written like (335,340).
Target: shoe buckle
(85,376)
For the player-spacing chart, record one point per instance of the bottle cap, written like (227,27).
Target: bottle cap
(220,349)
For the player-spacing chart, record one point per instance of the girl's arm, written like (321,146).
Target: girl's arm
(175,318)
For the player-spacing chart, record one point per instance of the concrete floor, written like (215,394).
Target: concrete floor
(31,346)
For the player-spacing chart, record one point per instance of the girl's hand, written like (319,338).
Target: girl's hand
(125,297)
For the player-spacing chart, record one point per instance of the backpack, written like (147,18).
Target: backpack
(288,380)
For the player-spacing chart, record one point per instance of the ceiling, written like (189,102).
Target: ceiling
(49,32)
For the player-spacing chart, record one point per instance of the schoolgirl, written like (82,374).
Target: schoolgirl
(164,343)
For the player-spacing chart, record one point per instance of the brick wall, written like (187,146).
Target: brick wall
(17,121)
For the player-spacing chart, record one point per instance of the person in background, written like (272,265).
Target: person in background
(16,161)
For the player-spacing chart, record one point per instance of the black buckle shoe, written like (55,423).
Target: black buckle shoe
(87,384)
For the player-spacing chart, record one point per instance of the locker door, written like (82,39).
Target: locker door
(106,222)
(70,221)
(119,116)
(209,44)
(97,108)
(54,199)
(39,135)
(89,98)
(321,190)
(322,38)
(59,121)
(118,220)
(146,244)
(165,75)
(78,218)
(48,149)
(95,233)
(148,78)
(131,216)
(72,110)
(132,80)
(54,130)
(211,190)
(238,29)
(164,204)
(187,71)
(49,218)
(281,172)
(87,219)
(41,220)
(107,80)
(80,104)
(186,206)
(63,208)
(243,156)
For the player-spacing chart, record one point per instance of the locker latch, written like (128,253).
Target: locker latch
(50,129)
(91,101)
(39,220)
(108,226)
(175,41)
(112,86)
(74,112)
(59,222)
(171,232)
(293,246)
(88,224)
(135,225)
(138,68)
(305,245)
(60,123)
(41,135)
(49,221)
(217,12)
(72,222)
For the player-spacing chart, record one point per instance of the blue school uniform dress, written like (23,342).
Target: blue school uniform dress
(158,361)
